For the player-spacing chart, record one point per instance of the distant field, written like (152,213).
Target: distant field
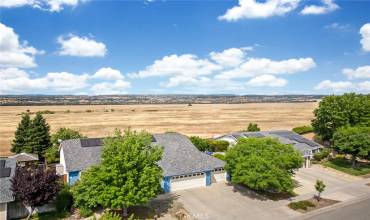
(205,120)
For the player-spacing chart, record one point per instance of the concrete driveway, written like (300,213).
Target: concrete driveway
(226,201)
(307,177)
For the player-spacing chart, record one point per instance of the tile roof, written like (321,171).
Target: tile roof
(286,137)
(180,155)
(6,195)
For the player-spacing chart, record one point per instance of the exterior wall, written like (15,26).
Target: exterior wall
(62,160)
(220,176)
(3,211)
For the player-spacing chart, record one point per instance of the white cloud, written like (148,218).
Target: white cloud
(328,6)
(108,88)
(364,86)
(230,57)
(17,81)
(248,9)
(178,65)
(186,81)
(338,26)
(335,86)
(49,5)
(267,80)
(81,46)
(365,33)
(108,73)
(14,53)
(264,66)
(361,72)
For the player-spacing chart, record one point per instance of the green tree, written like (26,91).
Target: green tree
(20,142)
(263,164)
(128,174)
(320,187)
(39,137)
(65,134)
(354,141)
(252,127)
(337,111)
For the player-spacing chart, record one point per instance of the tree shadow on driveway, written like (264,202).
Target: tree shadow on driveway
(260,195)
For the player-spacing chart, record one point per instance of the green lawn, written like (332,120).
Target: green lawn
(345,166)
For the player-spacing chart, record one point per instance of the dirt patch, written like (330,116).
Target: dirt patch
(368,184)
(315,204)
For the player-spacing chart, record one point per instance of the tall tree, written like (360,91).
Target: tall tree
(128,174)
(34,186)
(20,142)
(354,141)
(337,111)
(64,134)
(263,164)
(39,139)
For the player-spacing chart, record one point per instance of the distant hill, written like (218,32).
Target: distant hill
(18,100)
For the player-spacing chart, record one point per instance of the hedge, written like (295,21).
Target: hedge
(303,129)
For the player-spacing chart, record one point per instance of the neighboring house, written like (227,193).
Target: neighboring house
(303,145)
(184,166)
(25,159)
(7,170)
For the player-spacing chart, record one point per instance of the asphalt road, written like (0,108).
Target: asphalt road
(355,211)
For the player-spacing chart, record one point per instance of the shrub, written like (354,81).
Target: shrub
(64,200)
(46,112)
(52,155)
(85,212)
(303,129)
(89,110)
(324,153)
(217,145)
(252,127)
(110,216)
(199,143)
(304,205)
(219,156)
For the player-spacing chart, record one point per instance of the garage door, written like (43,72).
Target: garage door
(219,175)
(187,182)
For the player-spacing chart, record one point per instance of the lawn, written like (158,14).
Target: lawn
(344,165)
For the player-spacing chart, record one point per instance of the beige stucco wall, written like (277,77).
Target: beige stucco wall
(3,209)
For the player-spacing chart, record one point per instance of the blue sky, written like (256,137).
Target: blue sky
(196,47)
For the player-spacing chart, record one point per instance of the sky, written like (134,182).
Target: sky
(99,47)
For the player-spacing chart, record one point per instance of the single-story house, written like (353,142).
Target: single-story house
(7,171)
(25,159)
(184,166)
(301,144)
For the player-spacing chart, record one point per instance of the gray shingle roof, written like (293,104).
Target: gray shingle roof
(286,137)
(24,157)
(6,195)
(180,155)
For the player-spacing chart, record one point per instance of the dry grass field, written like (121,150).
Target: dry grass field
(205,120)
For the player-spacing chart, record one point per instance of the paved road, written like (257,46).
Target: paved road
(355,211)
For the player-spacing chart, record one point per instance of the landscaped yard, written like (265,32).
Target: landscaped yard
(345,165)
(311,204)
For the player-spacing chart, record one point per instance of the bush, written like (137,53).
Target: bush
(89,110)
(217,145)
(46,112)
(324,153)
(110,216)
(85,212)
(200,143)
(303,129)
(64,200)
(219,156)
(304,205)
(252,127)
